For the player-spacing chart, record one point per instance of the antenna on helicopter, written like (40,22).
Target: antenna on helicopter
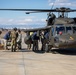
(50,15)
(51,8)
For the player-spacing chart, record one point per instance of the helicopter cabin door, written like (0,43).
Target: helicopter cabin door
(51,38)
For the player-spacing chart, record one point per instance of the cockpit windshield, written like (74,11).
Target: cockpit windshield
(60,29)
(65,29)
(69,29)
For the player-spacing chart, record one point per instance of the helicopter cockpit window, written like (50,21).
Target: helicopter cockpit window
(60,29)
(69,30)
(74,29)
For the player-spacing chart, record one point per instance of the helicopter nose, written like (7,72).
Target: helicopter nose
(68,42)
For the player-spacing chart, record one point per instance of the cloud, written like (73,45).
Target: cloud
(62,3)
(21,21)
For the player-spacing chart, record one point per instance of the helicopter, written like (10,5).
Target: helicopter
(62,29)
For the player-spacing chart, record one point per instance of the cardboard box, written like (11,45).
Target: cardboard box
(1,47)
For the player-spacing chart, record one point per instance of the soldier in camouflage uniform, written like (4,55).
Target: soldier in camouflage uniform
(14,35)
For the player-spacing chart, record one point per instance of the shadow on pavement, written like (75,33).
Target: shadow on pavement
(39,51)
(24,50)
(21,50)
(53,51)
(64,51)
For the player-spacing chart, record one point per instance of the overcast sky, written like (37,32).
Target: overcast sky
(20,18)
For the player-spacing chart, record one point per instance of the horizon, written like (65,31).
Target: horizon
(21,26)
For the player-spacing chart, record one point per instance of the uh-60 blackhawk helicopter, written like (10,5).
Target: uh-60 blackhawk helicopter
(62,29)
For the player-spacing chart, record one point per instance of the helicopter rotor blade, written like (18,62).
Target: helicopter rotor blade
(33,12)
(40,10)
(73,10)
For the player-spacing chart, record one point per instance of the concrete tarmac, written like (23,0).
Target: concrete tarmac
(27,62)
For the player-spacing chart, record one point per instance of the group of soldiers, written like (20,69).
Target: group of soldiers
(15,38)
(32,39)
(35,37)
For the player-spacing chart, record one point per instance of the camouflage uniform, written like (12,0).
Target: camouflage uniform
(13,40)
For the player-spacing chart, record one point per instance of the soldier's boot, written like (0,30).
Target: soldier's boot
(12,49)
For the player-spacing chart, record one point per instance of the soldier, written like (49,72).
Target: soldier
(28,40)
(42,41)
(14,36)
(19,39)
(30,44)
(35,39)
(6,39)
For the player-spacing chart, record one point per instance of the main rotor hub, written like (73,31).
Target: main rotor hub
(63,9)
